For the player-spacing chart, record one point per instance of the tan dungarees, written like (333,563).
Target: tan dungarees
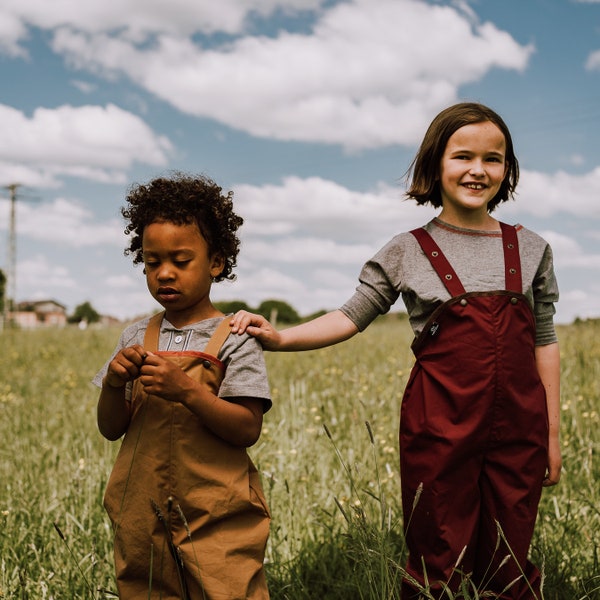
(189,515)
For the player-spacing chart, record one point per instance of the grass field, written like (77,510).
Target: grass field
(328,454)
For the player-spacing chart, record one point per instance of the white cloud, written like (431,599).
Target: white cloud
(593,61)
(568,253)
(65,223)
(139,18)
(93,142)
(319,207)
(363,78)
(578,303)
(547,194)
(306,250)
(85,87)
(38,277)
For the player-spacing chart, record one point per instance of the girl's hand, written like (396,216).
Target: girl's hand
(256,326)
(554,463)
(125,366)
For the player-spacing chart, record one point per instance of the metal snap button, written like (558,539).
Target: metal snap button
(206,364)
(463,302)
(513,300)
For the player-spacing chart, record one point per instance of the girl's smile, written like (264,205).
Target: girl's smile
(472,170)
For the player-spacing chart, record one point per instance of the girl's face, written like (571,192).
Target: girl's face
(179,271)
(472,169)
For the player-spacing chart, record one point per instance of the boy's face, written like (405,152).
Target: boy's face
(179,271)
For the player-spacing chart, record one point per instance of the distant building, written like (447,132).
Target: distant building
(39,313)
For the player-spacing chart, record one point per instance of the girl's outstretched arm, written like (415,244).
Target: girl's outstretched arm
(326,330)
(548,364)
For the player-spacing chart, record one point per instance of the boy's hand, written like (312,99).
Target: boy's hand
(125,366)
(161,377)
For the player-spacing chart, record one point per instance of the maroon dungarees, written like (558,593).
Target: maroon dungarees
(474,436)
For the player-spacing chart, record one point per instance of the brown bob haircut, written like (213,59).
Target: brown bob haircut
(425,168)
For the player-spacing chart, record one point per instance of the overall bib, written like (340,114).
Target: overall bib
(189,516)
(474,436)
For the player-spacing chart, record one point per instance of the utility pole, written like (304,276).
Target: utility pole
(10,288)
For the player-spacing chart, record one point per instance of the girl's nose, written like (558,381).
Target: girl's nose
(477,168)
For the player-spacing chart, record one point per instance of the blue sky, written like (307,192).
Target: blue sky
(309,110)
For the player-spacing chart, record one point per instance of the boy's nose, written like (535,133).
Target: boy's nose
(165,273)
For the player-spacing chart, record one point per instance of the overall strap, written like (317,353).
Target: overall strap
(439,262)
(214,344)
(153,331)
(218,338)
(512,260)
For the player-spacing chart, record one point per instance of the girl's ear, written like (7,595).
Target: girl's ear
(217,265)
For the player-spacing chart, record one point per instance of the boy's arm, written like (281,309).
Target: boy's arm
(113,412)
(548,364)
(238,421)
(326,330)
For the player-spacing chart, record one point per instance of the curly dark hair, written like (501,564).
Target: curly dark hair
(183,199)
(425,168)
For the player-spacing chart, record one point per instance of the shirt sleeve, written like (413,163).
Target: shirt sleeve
(545,294)
(376,292)
(246,372)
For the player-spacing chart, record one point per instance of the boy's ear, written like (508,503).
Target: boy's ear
(217,266)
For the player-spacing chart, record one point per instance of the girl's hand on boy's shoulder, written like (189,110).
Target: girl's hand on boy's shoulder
(256,326)
(125,366)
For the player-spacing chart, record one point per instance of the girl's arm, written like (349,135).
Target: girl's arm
(548,363)
(238,422)
(326,330)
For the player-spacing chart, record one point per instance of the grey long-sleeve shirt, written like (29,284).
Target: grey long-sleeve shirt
(401,268)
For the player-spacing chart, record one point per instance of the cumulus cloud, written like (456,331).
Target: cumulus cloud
(38,275)
(593,61)
(93,142)
(64,223)
(568,252)
(547,194)
(361,78)
(318,207)
(12,30)
(136,19)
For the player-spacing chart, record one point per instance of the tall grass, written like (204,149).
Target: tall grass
(328,455)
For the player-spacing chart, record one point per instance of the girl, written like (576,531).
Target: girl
(479,427)
(189,516)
